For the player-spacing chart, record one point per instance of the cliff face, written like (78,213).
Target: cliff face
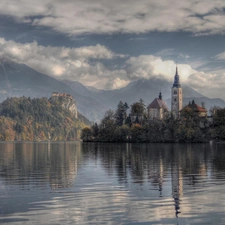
(67,102)
(26,119)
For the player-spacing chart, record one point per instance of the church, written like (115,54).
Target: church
(176,96)
(158,109)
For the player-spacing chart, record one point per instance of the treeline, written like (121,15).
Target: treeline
(134,126)
(38,119)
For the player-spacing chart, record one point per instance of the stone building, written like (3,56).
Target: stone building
(176,96)
(157,109)
(195,110)
(197,113)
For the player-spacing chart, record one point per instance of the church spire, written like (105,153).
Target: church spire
(176,79)
(160,95)
(176,70)
(176,95)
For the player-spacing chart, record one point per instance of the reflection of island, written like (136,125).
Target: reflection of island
(53,162)
(180,166)
(154,169)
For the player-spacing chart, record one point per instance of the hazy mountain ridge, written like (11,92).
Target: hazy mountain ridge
(20,80)
(148,90)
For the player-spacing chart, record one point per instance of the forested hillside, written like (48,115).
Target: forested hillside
(38,119)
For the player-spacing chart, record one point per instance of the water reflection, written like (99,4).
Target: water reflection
(53,163)
(122,183)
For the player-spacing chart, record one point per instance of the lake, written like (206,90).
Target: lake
(96,183)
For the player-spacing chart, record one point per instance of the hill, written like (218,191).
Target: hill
(38,119)
(17,80)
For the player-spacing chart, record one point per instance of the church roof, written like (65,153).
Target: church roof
(158,103)
(195,107)
(176,80)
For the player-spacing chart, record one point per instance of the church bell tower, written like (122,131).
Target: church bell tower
(176,96)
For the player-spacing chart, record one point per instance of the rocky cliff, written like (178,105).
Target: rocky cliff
(66,100)
(26,119)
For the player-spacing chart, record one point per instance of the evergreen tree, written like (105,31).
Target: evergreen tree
(128,121)
(120,114)
(95,130)
(86,134)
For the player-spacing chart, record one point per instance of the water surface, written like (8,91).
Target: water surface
(95,183)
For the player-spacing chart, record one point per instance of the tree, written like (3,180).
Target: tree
(121,134)
(128,121)
(138,110)
(86,134)
(136,132)
(219,122)
(107,126)
(108,118)
(120,114)
(171,126)
(95,130)
(156,131)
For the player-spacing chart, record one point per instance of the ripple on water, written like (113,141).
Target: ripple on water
(112,184)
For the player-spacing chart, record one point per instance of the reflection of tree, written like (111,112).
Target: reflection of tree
(218,161)
(187,165)
(23,163)
(56,163)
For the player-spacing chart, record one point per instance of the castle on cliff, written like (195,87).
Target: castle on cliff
(67,101)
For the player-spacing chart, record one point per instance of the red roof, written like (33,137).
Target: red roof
(158,103)
(194,107)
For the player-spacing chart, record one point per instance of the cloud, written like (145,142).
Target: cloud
(166,52)
(101,17)
(182,56)
(86,65)
(82,64)
(220,56)
(148,66)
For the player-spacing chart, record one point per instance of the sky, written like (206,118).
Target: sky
(108,44)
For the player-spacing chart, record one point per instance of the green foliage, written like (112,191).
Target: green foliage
(95,130)
(86,134)
(121,113)
(219,117)
(117,127)
(37,119)
(136,132)
(138,108)
(121,133)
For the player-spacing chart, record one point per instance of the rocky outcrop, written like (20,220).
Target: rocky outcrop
(67,102)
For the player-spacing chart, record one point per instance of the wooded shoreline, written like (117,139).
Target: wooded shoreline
(188,128)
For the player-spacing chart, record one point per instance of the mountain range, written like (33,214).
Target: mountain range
(20,80)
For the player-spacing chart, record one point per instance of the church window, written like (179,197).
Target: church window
(175,99)
(175,92)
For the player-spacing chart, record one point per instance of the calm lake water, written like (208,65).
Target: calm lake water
(92,183)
